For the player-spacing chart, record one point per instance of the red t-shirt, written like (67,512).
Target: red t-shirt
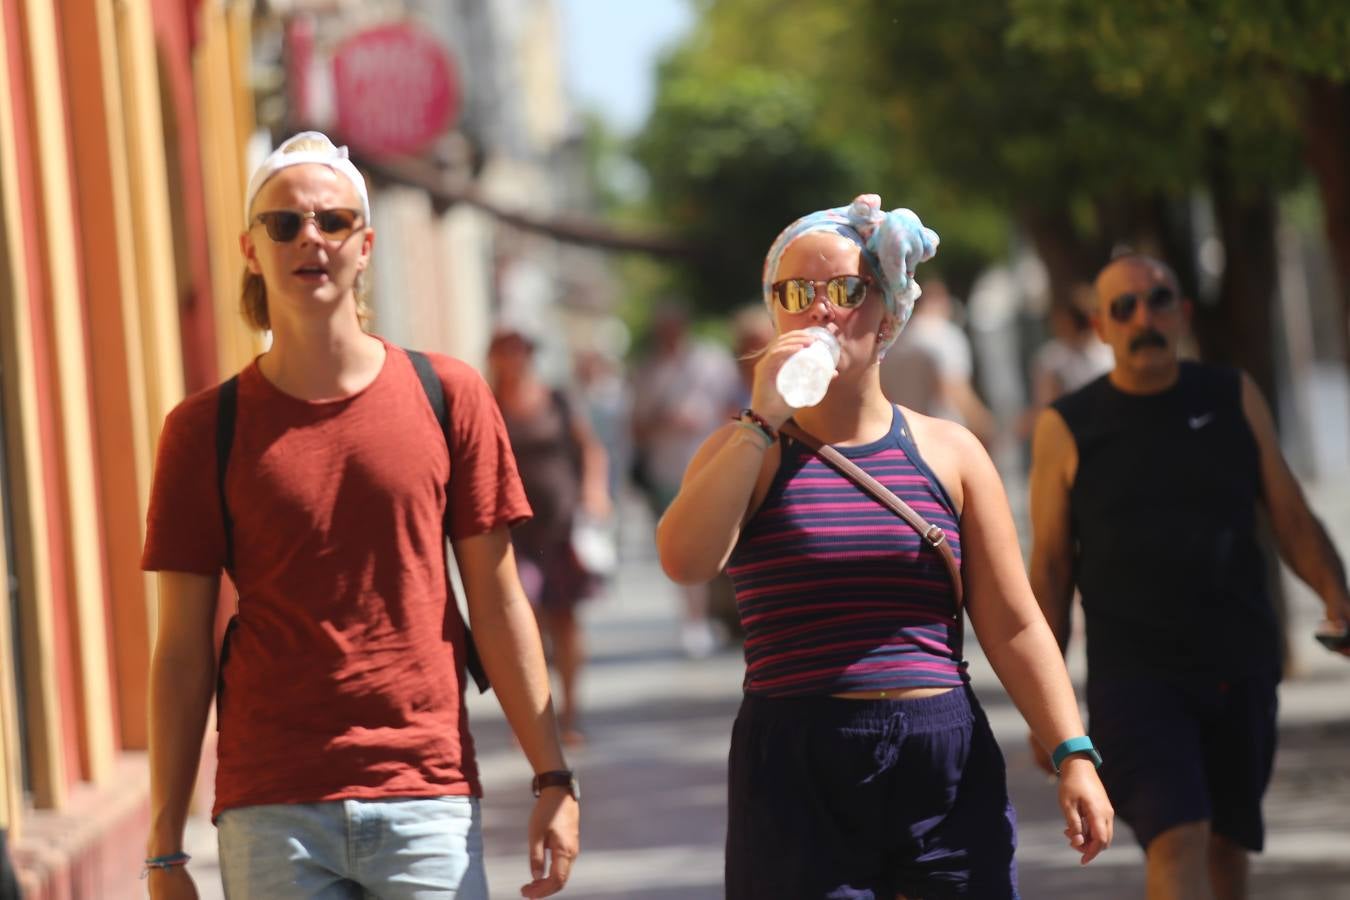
(343,677)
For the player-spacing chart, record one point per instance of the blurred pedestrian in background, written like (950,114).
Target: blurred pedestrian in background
(861,762)
(320,480)
(751,333)
(682,391)
(1072,356)
(604,392)
(564,470)
(1069,358)
(933,367)
(1144,489)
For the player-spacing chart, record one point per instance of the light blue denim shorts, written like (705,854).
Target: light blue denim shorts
(399,849)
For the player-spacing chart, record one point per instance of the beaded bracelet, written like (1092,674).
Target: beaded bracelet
(756,431)
(759,422)
(167,861)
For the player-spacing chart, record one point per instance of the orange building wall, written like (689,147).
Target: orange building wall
(175,33)
(49,436)
(117,394)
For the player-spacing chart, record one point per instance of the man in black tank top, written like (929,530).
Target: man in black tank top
(1144,488)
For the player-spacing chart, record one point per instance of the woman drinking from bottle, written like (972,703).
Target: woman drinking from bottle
(861,762)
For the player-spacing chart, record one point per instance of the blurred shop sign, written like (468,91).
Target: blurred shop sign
(395,90)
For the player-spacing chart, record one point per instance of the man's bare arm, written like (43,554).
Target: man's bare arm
(507,635)
(1053,463)
(182,682)
(1303,542)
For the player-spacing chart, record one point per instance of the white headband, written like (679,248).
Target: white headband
(334,158)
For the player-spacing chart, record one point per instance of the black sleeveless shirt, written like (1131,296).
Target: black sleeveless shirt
(1162,511)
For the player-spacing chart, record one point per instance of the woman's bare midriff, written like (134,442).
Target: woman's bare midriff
(912,693)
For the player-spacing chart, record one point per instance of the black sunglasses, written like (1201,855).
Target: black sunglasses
(797,294)
(284,224)
(1159,299)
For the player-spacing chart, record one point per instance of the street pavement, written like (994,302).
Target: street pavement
(654,766)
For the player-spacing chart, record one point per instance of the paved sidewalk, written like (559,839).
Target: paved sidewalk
(654,769)
(654,777)
(659,725)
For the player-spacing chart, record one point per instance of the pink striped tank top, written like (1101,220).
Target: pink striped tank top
(835,592)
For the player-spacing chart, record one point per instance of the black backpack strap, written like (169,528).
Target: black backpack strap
(226,406)
(432,387)
(435,391)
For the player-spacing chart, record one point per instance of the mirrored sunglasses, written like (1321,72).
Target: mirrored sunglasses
(284,224)
(844,291)
(1159,299)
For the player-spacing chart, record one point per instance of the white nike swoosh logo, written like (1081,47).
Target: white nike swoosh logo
(1198,422)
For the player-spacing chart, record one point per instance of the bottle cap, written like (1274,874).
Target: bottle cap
(826,337)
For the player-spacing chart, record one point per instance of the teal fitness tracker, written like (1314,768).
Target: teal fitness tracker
(1075,745)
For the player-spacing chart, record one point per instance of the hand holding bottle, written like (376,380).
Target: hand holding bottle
(766,397)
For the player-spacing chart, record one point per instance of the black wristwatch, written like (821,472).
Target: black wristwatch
(564,778)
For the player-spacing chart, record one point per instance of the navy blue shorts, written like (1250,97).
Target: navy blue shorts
(1186,750)
(867,799)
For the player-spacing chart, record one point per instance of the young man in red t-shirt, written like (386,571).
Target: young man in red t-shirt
(345,762)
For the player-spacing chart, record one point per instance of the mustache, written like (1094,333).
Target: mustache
(1148,338)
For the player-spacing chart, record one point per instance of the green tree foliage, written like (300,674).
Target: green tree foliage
(1258,73)
(931,104)
(1132,43)
(1230,67)
(1077,124)
(730,165)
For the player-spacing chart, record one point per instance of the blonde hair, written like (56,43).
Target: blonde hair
(253,290)
(253,302)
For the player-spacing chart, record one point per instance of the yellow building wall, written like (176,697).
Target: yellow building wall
(31,563)
(226,120)
(130,296)
(107,274)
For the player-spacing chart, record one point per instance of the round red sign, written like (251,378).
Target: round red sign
(395,90)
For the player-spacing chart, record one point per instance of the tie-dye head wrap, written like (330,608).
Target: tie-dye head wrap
(893,244)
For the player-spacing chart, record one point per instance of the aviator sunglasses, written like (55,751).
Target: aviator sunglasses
(844,291)
(1159,299)
(284,224)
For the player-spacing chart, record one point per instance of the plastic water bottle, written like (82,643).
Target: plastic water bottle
(805,377)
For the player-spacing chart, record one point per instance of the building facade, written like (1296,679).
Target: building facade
(128,129)
(122,127)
